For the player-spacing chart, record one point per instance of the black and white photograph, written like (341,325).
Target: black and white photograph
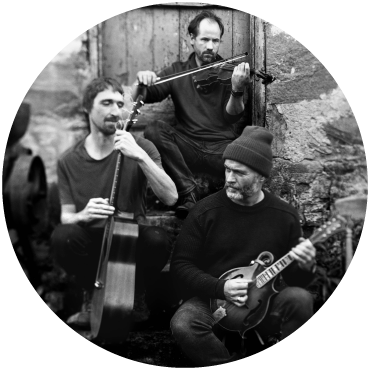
(185,185)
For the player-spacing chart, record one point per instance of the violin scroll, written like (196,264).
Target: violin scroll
(267,78)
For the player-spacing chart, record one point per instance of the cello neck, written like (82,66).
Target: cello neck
(124,125)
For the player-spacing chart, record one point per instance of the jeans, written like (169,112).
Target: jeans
(193,325)
(76,249)
(181,155)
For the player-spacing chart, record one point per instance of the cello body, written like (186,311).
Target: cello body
(113,302)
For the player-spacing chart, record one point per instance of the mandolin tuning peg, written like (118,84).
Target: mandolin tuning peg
(138,111)
(142,103)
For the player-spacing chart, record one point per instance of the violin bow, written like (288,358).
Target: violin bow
(191,71)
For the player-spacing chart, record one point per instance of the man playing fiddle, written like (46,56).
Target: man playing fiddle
(85,177)
(204,117)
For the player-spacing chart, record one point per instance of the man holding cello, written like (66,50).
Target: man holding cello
(204,116)
(85,177)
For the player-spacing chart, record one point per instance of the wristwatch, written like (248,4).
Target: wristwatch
(237,94)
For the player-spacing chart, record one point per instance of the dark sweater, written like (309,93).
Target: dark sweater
(199,113)
(219,235)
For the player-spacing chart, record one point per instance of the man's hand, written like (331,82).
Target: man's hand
(147,78)
(240,77)
(236,290)
(126,143)
(96,208)
(304,253)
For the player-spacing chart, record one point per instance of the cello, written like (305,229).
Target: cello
(114,288)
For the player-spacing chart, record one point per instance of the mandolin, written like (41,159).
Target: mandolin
(114,288)
(261,287)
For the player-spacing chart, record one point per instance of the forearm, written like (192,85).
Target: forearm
(161,184)
(72,218)
(235,105)
(190,281)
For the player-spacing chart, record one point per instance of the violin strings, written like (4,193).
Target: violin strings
(191,71)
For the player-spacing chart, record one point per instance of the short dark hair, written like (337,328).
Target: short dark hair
(95,87)
(205,14)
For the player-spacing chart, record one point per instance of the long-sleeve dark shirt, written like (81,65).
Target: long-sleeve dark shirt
(219,235)
(199,113)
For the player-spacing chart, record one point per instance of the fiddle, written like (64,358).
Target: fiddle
(217,72)
(222,74)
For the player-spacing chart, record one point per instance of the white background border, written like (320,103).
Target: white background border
(33,32)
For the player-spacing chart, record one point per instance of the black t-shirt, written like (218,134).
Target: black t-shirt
(81,178)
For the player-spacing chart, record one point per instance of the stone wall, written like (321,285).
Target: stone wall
(55,98)
(318,150)
(319,155)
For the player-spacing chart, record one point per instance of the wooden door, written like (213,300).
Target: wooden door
(153,37)
(156,36)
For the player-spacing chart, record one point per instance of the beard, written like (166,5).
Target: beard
(236,193)
(208,57)
(107,127)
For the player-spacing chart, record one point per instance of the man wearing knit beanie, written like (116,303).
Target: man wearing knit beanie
(228,230)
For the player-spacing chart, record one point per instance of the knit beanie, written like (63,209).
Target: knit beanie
(252,148)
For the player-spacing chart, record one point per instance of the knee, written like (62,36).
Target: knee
(155,238)
(154,132)
(301,301)
(63,233)
(301,295)
(180,325)
(153,246)
(159,237)
(66,240)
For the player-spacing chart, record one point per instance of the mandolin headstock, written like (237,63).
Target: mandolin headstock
(333,226)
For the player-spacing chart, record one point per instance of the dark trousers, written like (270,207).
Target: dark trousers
(193,325)
(77,250)
(181,155)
